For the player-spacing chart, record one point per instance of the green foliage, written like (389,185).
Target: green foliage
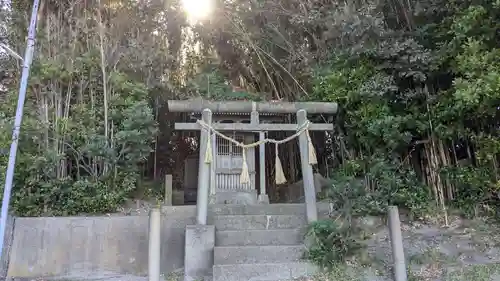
(419,114)
(368,186)
(93,100)
(398,96)
(331,242)
(374,123)
(478,192)
(211,84)
(66,165)
(371,119)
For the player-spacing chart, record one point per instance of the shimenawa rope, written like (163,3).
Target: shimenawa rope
(245,176)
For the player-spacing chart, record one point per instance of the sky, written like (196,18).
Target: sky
(197,9)
(4,4)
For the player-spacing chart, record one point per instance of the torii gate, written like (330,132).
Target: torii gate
(207,107)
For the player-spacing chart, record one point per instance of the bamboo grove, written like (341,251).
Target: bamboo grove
(418,84)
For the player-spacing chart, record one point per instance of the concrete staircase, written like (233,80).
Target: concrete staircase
(259,242)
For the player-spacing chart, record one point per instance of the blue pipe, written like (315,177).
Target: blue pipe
(9,176)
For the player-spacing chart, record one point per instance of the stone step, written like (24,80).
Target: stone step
(257,209)
(257,254)
(263,271)
(262,209)
(258,222)
(259,237)
(243,197)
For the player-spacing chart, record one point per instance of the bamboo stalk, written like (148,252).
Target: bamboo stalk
(439,184)
(431,176)
(445,160)
(103,70)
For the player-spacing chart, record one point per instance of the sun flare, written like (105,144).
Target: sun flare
(197,10)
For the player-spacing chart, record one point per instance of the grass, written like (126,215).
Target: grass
(173,276)
(354,273)
(475,273)
(431,256)
(345,272)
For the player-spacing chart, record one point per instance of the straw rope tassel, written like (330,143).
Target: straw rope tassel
(280,175)
(208,152)
(212,186)
(312,153)
(245,176)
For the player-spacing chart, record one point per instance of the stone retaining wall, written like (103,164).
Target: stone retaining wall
(94,246)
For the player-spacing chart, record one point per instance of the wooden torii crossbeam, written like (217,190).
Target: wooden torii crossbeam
(253,127)
(198,105)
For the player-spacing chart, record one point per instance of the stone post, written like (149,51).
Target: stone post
(203,172)
(263,197)
(307,172)
(398,255)
(168,190)
(154,244)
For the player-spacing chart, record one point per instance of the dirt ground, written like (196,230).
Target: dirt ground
(465,250)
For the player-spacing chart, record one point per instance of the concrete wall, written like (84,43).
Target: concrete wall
(89,246)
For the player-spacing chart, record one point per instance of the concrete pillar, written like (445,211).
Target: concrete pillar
(154,244)
(307,172)
(199,252)
(168,190)
(203,172)
(263,197)
(398,255)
